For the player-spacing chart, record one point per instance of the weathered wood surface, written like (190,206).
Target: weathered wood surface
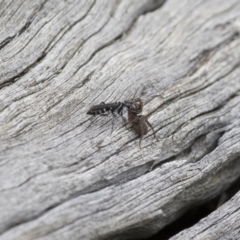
(221,224)
(63,179)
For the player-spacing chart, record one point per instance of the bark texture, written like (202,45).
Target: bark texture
(65,177)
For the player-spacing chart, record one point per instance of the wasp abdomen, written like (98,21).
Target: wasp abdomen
(105,109)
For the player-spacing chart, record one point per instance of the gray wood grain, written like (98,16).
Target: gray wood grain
(65,177)
(221,224)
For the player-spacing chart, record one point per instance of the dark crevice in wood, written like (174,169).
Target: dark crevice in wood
(143,230)
(6,41)
(194,215)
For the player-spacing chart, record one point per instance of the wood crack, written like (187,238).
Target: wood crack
(24,28)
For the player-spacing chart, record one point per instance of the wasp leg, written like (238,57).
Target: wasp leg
(104,114)
(113,116)
(124,120)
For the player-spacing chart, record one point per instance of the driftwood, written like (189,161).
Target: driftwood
(221,224)
(65,177)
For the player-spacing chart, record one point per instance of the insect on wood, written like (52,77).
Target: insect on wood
(139,122)
(115,109)
(134,107)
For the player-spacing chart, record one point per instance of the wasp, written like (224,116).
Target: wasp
(114,109)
